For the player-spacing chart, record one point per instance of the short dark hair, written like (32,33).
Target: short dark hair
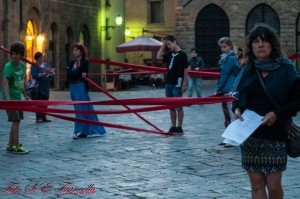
(18,48)
(194,49)
(170,38)
(37,55)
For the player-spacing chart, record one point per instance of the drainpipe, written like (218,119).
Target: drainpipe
(20,16)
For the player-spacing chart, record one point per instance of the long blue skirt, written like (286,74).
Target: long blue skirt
(78,92)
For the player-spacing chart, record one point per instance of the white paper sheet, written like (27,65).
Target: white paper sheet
(238,131)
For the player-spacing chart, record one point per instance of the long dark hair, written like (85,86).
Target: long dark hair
(265,33)
(82,48)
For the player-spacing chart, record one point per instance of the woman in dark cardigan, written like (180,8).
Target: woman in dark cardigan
(264,154)
(76,74)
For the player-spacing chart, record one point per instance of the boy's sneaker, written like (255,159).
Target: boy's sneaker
(10,148)
(19,149)
(173,129)
(179,129)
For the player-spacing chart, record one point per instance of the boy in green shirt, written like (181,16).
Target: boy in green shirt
(13,88)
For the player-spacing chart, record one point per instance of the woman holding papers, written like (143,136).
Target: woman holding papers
(264,154)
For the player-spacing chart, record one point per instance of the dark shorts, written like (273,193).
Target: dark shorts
(173,91)
(14,116)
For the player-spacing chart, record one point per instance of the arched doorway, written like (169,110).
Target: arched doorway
(30,40)
(262,13)
(34,43)
(31,44)
(211,24)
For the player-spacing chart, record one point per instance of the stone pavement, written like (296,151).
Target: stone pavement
(128,164)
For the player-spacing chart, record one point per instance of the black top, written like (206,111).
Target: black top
(74,75)
(259,102)
(176,63)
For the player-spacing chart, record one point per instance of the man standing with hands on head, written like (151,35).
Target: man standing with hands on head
(176,77)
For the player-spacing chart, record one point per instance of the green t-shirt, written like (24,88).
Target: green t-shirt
(15,76)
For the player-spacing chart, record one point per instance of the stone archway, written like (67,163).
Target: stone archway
(34,38)
(211,24)
(30,40)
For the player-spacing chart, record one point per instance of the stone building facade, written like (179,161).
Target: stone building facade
(200,24)
(52,27)
(283,16)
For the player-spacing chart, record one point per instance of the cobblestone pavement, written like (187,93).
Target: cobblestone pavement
(128,164)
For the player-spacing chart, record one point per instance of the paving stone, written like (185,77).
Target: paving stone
(127,164)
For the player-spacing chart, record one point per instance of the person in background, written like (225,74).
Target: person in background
(76,74)
(195,64)
(38,72)
(176,77)
(13,88)
(241,58)
(264,154)
(229,68)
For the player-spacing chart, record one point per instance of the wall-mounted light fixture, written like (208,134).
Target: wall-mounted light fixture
(119,21)
(127,32)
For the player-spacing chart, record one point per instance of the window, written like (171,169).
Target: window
(298,40)
(155,11)
(263,14)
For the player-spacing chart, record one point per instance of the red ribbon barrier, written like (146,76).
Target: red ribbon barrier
(295,55)
(30,62)
(112,97)
(174,101)
(152,68)
(102,112)
(164,103)
(108,124)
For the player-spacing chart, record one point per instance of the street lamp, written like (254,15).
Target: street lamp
(119,21)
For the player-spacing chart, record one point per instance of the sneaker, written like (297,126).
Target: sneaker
(10,148)
(80,135)
(19,149)
(173,129)
(179,129)
(228,146)
(46,120)
(75,136)
(39,121)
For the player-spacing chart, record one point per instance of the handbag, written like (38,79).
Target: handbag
(291,130)
(292,137)
(32,88)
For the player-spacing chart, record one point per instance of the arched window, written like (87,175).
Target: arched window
(211,24)
(30,40)
(262,13)
(298,40)
(84,36)
(53,55)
